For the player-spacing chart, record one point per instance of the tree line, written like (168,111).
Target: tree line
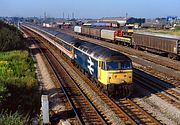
(10,37)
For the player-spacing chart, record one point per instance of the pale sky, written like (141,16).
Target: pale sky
(90,8)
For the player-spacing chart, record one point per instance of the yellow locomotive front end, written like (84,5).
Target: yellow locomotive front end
(116,76)
(119,77)
(128,30)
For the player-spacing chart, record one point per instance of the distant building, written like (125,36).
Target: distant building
(172,19)
(178,21)
(124,21)
(161,23)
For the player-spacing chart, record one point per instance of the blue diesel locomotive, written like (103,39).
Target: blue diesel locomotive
(111,70)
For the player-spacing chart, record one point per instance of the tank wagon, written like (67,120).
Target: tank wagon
(111,70)
(158,43)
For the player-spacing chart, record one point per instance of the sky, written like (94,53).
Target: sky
(90,8)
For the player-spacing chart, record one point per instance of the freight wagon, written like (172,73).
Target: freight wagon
(95,32)
(77,29)
(108,34)
(85,31)
(98,33)
(158,43)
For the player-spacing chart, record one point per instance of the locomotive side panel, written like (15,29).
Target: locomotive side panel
(86,62)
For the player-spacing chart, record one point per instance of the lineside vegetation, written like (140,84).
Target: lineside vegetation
(19,97)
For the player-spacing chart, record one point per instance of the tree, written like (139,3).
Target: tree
(10,37)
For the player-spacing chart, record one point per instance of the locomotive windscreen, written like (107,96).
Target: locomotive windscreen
(118,65)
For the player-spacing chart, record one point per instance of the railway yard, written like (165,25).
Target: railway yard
(76,98)
(90,62)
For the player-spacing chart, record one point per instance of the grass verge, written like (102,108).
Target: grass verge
(175,31)
(18,87)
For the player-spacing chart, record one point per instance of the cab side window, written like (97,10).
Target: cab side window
(100,63)
(103,66)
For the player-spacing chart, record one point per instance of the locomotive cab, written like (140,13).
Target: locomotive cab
(116,76)
(115,72)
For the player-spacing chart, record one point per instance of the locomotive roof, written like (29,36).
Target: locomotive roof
(102,53)
(159,35)
(96,51)
(67,38)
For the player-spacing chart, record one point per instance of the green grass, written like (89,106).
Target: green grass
(10,38)
(18,87)
(19,95)
(177,28)
(16,67)
(12,119)
(176,31)
(2,92)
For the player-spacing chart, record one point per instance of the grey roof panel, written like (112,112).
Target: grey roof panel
(103,53)
(94,50)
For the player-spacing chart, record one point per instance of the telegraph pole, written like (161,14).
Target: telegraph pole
(63,15)
(73,15)
(44,16)
(68,16)
(126,15)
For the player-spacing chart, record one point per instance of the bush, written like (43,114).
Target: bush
(16,67)
(10,38)
(12,119)
(18,83)
(2,91)
(177,28)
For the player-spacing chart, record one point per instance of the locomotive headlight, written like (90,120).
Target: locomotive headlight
(123,81)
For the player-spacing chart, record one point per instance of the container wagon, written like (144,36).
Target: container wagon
(108,34)
(158,43)
(77,29)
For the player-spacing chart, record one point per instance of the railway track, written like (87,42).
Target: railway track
(125,118)
(168,75)
(139,115)
(82,106)
(84,110)
(160,88)
(160,75)
(128,107)
(173,64)
(125,110)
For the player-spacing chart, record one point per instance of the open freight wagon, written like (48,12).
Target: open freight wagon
(158,43)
